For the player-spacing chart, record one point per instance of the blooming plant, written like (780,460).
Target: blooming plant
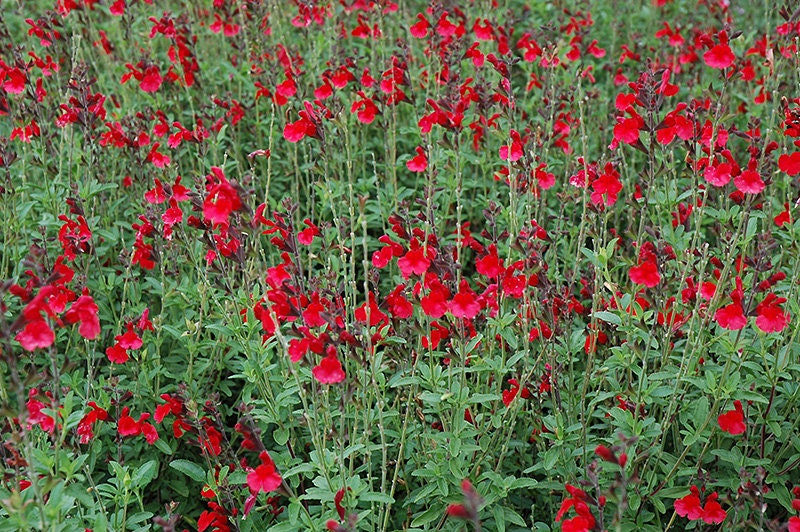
(378,265)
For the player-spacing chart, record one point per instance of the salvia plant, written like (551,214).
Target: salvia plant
(396,265)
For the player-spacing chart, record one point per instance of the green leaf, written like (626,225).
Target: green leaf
(163,447)
(281,436)
(382,498)
(499,518)
(145,474)
(484,398)
(523,483)
(429,515)
(608,317)
(397,381)
(237,477)
(190,469)
(550,458)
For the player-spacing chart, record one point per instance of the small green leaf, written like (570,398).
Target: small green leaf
(145,474)
(427,516)
(608,317)
(164,447)
(190,469)
(281,436)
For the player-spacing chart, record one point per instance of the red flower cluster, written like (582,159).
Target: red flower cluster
(44,306)
(692,508)
(87,422)
(118,353)
(579,501)
(129,427)
(36,415)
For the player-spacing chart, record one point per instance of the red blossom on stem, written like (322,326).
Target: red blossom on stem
(222,198)
(732,421)
(265,477)
(329,370)
(129,427)
(418,163)
(645,273)
(770,317)
(720,55)
(578,500)
(692,508)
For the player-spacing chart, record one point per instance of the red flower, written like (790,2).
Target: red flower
(215,517)
(15,83)
(584,521)
(784,217)
(606,187)
(511,393)
(749,182)
(35,414)
(434,304)
(719,56)
(732,421)
(117,354)
(86,424)
(794,524)
(306,236)
(172,406)
(117,8)
(376,316)
(129,340)
(399,306)
(305,126)
(719,174)
(420,29)
(337,502)
(646,273)
(151,79)
(490,265)
(222,198)
(36,334)
(458,511)
(790,163)
(127,426)
(464,305)
(605,453)
(690,506)
(578,524)
(382,257)
(514,151)
(470,507)
(771,317)
(265,477)
(731,317)
(627,130)
(158,159)
(148,430)
(212,442)
(419,163)
(295,131)
(713,514)
(445,28)
(366,108)
(415,260)
(329,370)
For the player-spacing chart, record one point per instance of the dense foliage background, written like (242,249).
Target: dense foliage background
(356,265)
